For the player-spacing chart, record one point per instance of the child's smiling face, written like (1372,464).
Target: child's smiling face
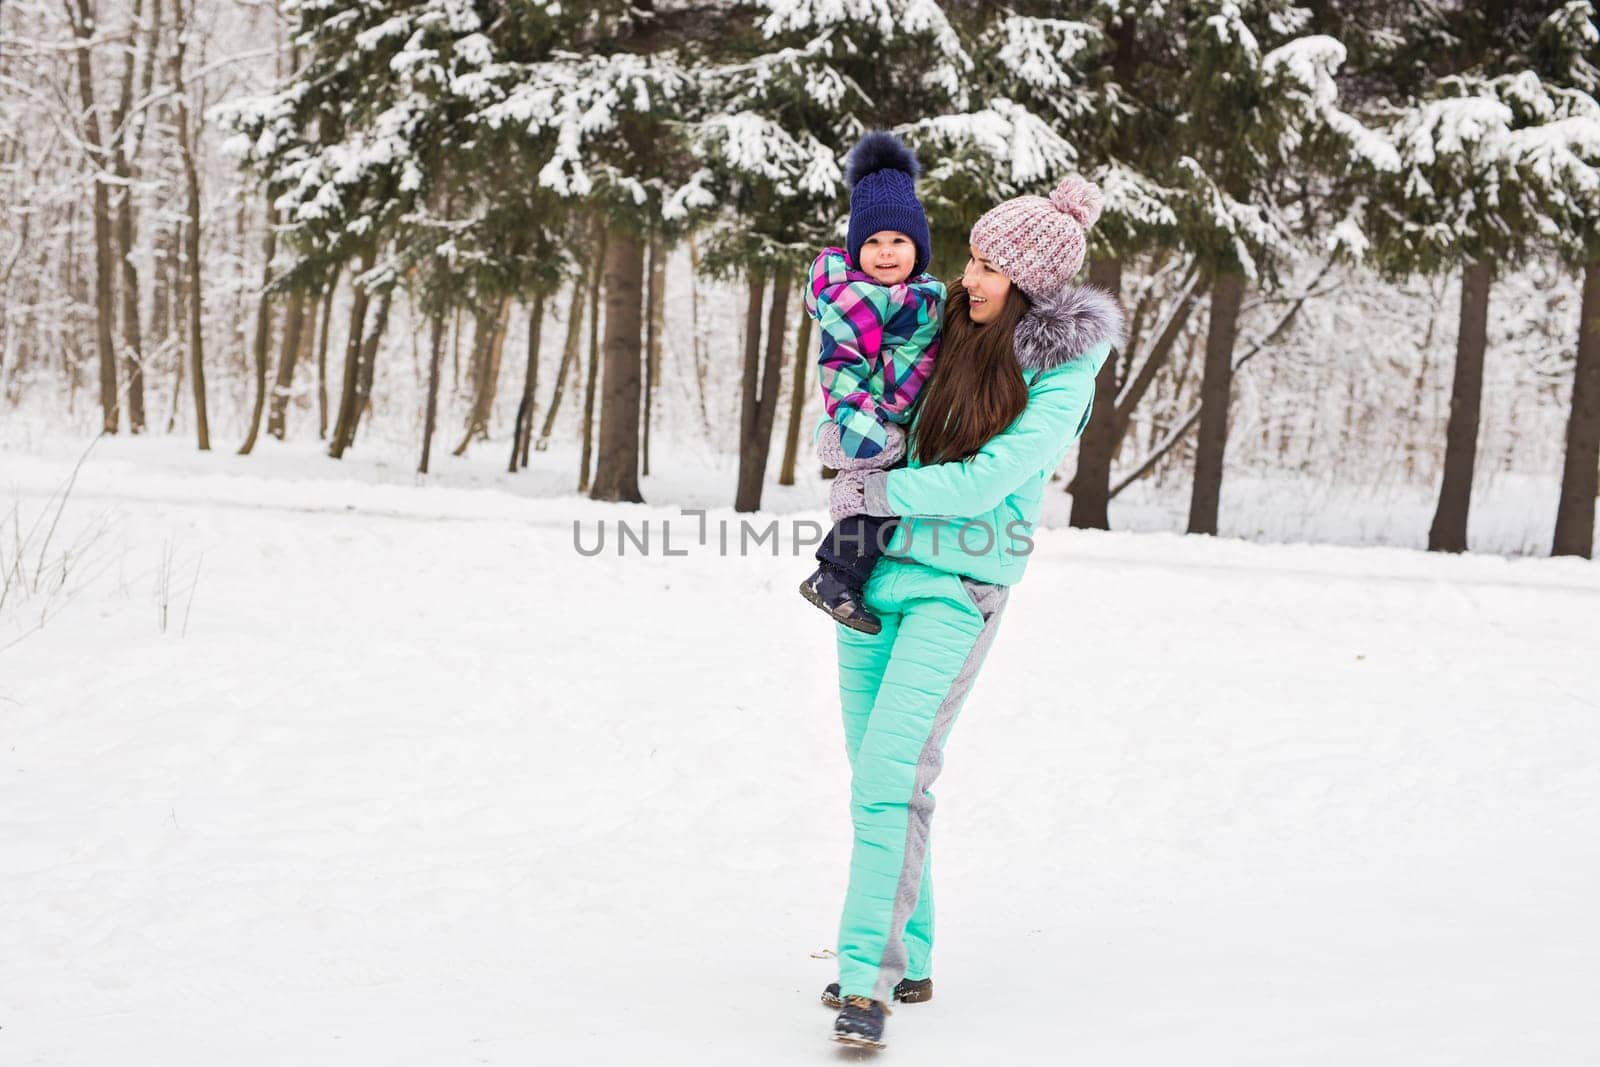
(888,256)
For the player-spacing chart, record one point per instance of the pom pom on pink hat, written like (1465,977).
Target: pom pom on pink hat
(1078,198)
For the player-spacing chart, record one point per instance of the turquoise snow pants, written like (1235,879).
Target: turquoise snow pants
(900,692)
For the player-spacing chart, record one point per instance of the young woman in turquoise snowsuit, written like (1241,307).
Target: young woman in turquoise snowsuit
(1009,395)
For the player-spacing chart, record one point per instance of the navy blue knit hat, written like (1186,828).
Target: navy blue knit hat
(882,175)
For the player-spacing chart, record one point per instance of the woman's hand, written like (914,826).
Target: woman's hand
(848,495)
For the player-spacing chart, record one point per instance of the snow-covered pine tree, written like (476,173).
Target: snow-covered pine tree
(790,86)
(344,151)
(1261,112)
(1563,51)
(1205,126)
(1085,87)
(603,124)
(1475,188)
(386,150)
(1006,132)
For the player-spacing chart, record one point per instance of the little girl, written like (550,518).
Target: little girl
(879,313)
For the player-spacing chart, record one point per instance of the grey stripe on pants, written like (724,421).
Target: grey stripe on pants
(989,600)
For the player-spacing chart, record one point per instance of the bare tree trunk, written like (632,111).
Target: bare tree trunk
(797,398)
(180,314)
(654,305)
(497,347)
(1580,473)
(161,294)
(750,381)
(132,343)
(760,402)
(1091,486)
(530,384)
(616,475)
(488,335)
(694,318)
(569,357)
(310,307)
(83,22)
(594,362)
(772,372)
(430,420)
(133,349)
(9,326)
(258,351)
(78,295)
(1216,393)
(322,354)
(133,357)
(1449,530)
(191,175)
(369,360)
(283,383)
(236,307)
(455,356)
(350,387)
(477,360)
(147,75)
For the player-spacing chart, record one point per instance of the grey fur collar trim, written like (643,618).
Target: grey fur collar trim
(1061,328)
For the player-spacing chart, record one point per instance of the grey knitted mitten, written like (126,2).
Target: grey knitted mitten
(831,453)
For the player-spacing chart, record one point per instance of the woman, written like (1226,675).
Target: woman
(1009,394)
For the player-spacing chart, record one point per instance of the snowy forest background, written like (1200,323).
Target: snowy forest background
(1357,240)
(309,758)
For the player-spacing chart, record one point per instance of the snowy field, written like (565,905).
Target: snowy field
(401,778)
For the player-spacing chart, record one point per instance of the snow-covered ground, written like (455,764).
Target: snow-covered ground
(405,779)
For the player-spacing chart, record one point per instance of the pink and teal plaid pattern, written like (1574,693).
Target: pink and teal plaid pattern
(878,345)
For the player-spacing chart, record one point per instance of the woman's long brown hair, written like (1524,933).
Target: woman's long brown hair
(975,389)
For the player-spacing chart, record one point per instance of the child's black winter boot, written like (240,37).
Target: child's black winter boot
(828,589)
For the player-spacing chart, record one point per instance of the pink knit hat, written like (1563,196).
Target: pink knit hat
(1039,243)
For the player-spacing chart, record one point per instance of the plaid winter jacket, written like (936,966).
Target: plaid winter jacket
(878,345)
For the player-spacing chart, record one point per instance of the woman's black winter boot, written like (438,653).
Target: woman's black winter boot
(906,991)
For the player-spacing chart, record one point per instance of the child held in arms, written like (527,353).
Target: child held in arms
(878,312)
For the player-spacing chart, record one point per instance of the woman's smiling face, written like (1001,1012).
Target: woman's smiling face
(986,288)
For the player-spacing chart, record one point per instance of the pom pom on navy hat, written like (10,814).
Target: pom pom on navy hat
(877,151)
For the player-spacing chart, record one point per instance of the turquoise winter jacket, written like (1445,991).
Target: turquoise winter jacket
(976,516)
